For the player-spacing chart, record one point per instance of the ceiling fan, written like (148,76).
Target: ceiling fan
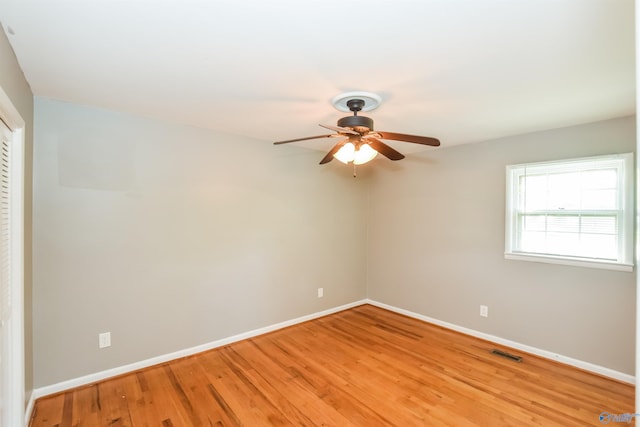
(360,143)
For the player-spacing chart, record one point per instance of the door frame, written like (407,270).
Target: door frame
(16,400)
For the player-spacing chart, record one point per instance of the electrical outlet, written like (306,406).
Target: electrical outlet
(104,340)
(484,311)
(320,292)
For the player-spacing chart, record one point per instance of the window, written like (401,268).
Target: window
(576,212)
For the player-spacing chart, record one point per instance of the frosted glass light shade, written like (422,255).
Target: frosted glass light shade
(364,154)
(346,153)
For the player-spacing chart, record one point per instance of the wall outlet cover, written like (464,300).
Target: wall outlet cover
(104,339)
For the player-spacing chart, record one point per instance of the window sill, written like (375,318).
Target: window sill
(576,262)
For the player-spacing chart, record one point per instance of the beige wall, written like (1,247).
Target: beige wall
(14,84)
(170,237)
(436,244)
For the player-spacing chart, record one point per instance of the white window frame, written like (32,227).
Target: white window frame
(624,163)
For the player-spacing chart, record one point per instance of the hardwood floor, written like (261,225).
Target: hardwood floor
(363,367)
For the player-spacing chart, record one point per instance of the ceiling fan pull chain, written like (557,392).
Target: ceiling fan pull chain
(354,170)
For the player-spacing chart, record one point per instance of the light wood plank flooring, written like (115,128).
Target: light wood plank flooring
(361,367)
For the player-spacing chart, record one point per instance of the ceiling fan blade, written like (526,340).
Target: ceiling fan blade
(384,149)
(303,139)
(334,150)
(424,140)
(340,129)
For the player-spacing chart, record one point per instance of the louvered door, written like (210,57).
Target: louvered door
(5,283)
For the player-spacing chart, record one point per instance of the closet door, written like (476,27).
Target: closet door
(6,298)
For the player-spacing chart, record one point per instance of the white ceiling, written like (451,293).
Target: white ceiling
(459,70)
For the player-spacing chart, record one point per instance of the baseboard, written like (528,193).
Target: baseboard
(102,375)
(29,410)
(596,369)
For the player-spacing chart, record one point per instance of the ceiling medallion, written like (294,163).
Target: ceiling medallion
(371,101)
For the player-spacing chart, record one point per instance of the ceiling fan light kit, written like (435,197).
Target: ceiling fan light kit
(348,153)
(360,143)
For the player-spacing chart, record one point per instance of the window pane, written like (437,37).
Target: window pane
(533,242)
(563,244)
(534,222)
(600,225)
(605,178)
(599,246)
(592,189)
(570,235)
(567,224)
(564,191)
(534,193)
(599,199)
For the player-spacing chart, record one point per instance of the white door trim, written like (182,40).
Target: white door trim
(16,403)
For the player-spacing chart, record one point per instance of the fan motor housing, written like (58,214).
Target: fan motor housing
(356,122)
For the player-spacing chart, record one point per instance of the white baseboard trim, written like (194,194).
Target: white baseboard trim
(597,369)
(29,410)
(102,375)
